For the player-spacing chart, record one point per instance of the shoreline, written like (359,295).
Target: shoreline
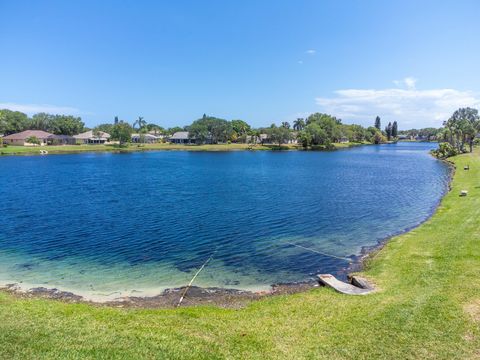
(111,149)
(367,253)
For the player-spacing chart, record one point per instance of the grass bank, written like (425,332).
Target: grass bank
(428,307)
(67,149)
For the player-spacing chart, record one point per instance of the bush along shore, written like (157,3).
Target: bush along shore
(427,305)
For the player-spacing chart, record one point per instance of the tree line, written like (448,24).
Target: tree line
(15,121)
(458,132)
(317,130)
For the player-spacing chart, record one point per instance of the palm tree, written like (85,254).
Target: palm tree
(299,124)
(286,125)
(140,122)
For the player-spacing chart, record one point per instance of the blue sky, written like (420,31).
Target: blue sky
(261,61)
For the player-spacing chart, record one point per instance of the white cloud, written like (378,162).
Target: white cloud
(409,106)
(408,82)
(31,109)
(311,51)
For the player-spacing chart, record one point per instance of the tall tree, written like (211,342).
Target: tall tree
(66,125)
(12,121)
(330,124)
(210,129)
(278,135)
(299,124)
(378,123)
(105,128)
(286,125)
(157,129)
(174,129)
(462,127)
(394,129)
(388,131)
(240,127)
(41,121)
(122,131)
(140,122)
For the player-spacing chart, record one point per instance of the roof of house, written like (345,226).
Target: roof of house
(60,137)
(89,135)
(39,134)
(156,133)
(180,135)
(148,136)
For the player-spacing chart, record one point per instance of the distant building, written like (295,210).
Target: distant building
(158,134)
(61,140)
(91,137)
(264,139)
(343,140)
(147,138)
(21,137)
(181,137)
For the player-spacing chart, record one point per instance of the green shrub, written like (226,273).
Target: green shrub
(33,140)
(445,150)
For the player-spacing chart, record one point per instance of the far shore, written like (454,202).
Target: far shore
(72,149)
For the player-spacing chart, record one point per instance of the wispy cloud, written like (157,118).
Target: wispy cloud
(31,109)
(408,82)
(410,106)
(311,51)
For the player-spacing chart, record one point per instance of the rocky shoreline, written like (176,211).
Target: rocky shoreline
(169,298)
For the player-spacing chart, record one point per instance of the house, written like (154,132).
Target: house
(264,139)
(61,140)
(181,137)
(147,138)
(92,137)
(21,137)
(343,140)
(158,134)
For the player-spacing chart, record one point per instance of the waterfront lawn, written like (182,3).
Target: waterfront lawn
(427,306)
(28,150)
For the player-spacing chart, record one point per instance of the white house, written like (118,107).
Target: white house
(92,137)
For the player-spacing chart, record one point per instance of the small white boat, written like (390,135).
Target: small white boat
(43,152)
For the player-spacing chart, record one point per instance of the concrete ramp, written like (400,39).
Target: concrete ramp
(340,286)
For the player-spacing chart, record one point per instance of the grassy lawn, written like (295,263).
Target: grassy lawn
(428,307)
(26,150)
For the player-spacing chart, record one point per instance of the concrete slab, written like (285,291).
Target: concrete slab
(342,287)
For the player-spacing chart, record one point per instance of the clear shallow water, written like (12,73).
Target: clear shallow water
(134,224)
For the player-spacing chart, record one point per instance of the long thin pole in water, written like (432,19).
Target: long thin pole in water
(193,279)
(318,252)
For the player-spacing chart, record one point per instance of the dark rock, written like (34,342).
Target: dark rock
(361,282)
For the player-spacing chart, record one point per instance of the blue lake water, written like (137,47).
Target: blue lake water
(134,224)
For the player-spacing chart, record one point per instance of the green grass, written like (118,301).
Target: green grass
(428,307)
(26,150)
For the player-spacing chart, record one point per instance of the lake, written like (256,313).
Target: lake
(104,225)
